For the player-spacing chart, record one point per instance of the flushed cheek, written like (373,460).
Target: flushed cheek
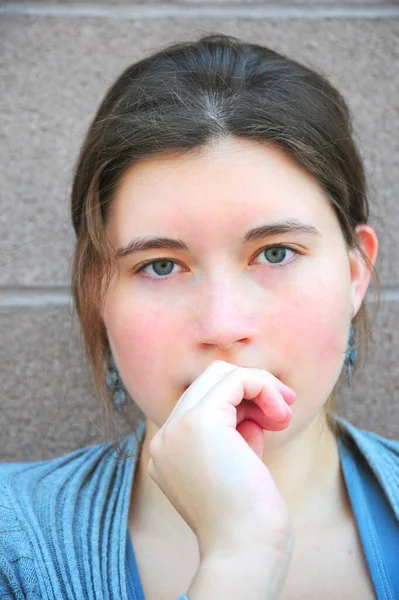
(318,341)
(142,342)
(314,339)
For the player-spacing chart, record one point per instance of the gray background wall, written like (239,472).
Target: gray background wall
(57,60)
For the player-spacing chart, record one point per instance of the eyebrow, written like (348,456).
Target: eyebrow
(155,243)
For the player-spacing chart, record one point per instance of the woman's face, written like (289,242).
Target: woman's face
(286,309)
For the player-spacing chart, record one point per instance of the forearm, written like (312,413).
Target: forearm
(249,575)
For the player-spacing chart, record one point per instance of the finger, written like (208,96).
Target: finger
(208,378)
(249,384)
(192,396)
(214,373)
(253,435)
(248,410)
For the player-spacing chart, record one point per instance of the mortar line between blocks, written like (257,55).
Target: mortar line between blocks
(154,11)
(16,296)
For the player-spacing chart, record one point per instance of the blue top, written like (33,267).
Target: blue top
(377,525)
(63,522)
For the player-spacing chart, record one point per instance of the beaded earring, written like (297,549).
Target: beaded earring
(115,385)
(351,354)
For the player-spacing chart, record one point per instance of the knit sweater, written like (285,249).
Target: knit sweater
(63,522)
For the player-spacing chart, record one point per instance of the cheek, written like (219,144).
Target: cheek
(146,338)
(315,337)
(141,341)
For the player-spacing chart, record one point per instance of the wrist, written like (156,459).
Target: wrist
(249,572)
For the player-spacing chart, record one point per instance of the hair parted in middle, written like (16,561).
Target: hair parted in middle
(182,99)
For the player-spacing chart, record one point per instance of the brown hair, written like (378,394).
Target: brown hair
(188,96)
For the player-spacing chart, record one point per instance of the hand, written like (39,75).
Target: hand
(207,459)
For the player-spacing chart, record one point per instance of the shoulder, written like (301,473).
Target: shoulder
(28,488)
(380,452)
(15,556)
(47,506)
(25,489)
(29,483)
(381,455)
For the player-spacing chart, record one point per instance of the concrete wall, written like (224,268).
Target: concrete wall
(57,61)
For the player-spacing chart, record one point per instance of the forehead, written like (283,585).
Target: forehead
(232,183)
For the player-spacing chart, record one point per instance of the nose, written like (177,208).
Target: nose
(225,313)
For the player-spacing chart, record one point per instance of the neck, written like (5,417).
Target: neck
(305,468)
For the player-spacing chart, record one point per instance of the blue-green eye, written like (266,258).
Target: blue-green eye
(163,267)
(276,254)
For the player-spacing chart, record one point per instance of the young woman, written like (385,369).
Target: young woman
(222,260)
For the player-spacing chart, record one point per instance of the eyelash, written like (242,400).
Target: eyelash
(164,258)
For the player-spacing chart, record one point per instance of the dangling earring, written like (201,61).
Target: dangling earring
(115,386)
(351,354)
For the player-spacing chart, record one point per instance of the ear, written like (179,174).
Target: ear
(361,270)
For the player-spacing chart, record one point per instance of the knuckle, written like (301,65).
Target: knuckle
(221,365)
(172,432)
(269,379)
(154,447)
(187,423)
(264,373)
(151,469)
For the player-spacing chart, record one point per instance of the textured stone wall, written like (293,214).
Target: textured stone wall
(56,62)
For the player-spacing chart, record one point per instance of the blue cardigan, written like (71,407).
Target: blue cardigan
(63,522)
